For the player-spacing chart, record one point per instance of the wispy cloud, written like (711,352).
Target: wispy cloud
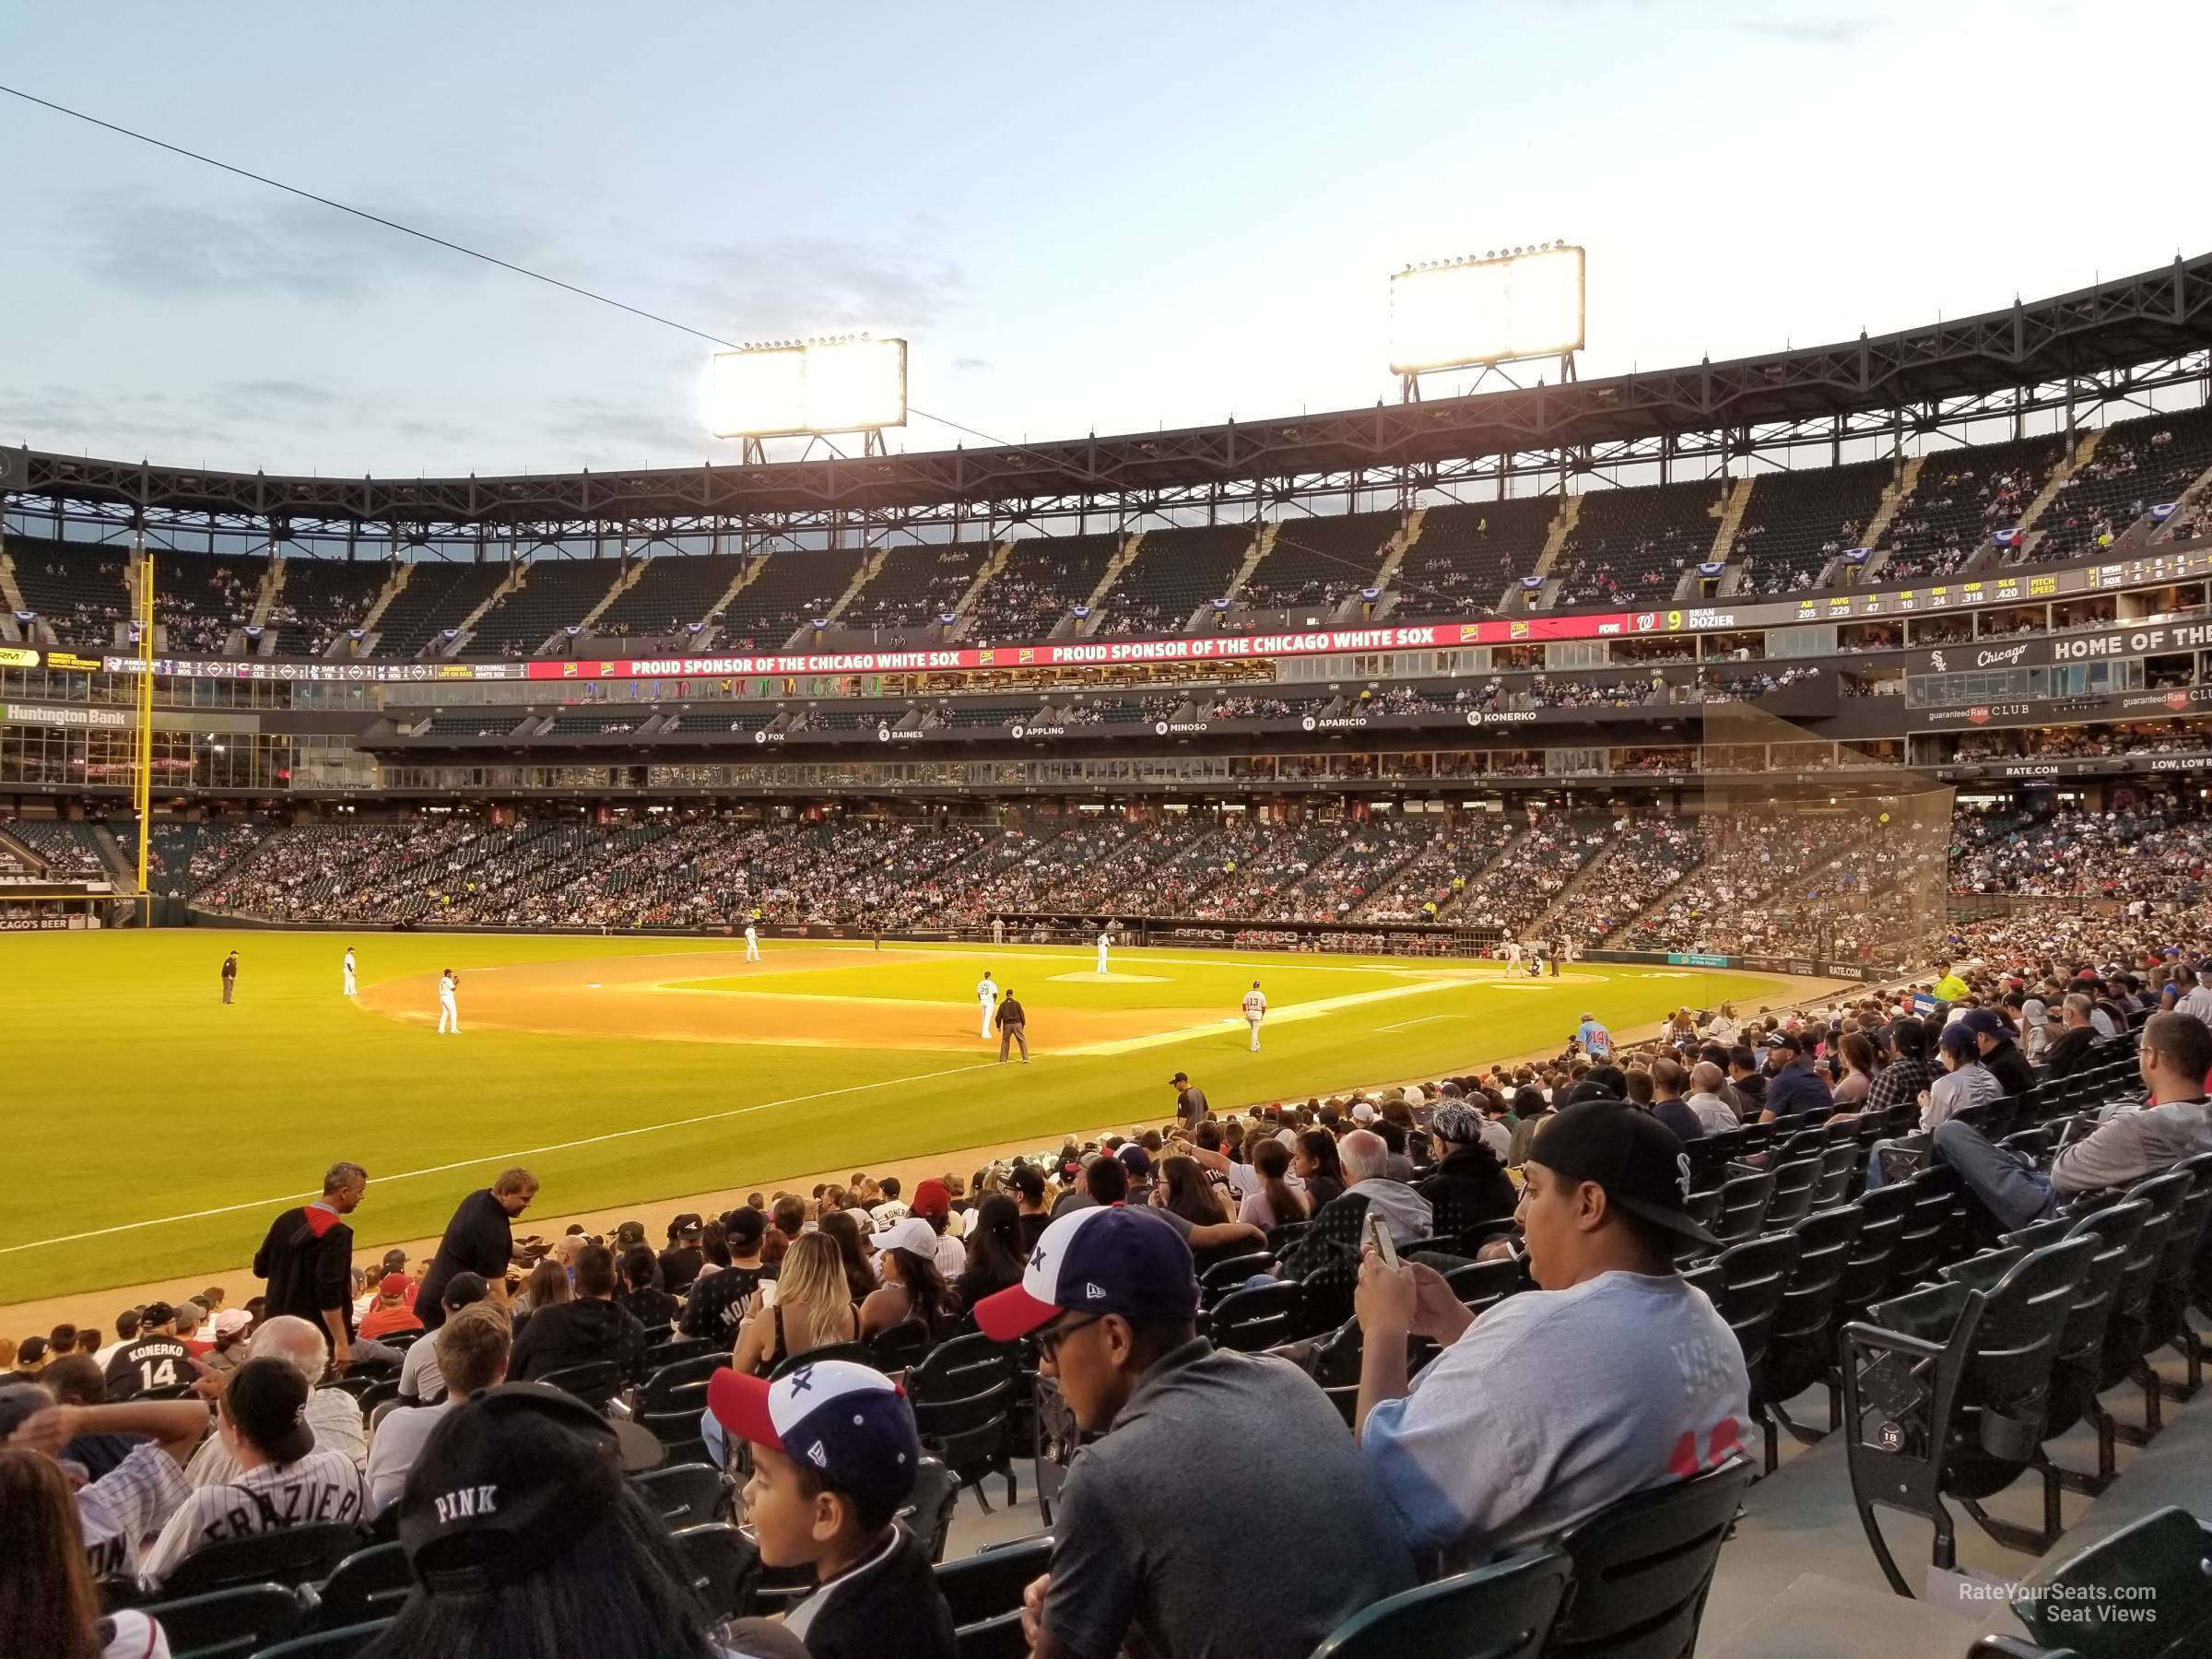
(797,285)
(68,417)
(970,365)
(137,244)
(622,432)
(1846,28)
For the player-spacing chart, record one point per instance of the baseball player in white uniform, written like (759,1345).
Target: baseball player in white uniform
(349,970)
(1512,954)
(1104,940)
(986,997)
(752,943)
(1255,1010)
(449,1010)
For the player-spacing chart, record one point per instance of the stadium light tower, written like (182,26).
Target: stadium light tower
(1458,313)
(809,389)
(142,780)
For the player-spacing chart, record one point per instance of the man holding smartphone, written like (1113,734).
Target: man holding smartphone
(1614,1376)
(1112,1297)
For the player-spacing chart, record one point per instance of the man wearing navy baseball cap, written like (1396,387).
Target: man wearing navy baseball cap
(1112,1297)
(1612,1377)
(835,1455)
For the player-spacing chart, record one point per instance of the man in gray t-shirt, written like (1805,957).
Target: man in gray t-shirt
(1190,1101)
(1113,1299)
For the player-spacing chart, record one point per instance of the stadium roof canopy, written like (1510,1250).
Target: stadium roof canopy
(2091,344)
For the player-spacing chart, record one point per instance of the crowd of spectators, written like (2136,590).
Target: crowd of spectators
(199,611)
(2147,850)
(1730,880)
(438,1400)
(1641,862)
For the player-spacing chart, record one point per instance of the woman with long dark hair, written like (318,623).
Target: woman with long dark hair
(47,1603)
(995,1253)
(1183,1188)
(911,1289)
(1274,1202)
(1318,1166)
(1857,1051)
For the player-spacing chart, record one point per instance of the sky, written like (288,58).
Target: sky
(1083,218)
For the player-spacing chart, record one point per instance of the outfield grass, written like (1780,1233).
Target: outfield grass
(138,1101)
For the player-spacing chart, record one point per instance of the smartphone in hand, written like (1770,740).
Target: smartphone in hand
(1379,1235)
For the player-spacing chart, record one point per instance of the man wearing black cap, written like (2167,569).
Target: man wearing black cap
(1113,1299)
(1615,1376)
(1190,1101)
(284,1481)
(2001,1056)
(682,1260)
(1794,1089)
(157,1358)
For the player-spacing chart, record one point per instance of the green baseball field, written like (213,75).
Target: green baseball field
(152,1130)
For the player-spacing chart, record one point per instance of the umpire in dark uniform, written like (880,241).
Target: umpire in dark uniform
(229,975)
(1011,1024)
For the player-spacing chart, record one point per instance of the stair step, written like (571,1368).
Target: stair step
(1820,1617)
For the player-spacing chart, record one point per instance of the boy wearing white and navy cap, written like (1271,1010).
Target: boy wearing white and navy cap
(1112,1297)
(835,1452)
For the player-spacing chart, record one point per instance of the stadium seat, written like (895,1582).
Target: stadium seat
(989,1585)
(1481,1285)
(667,1352)
(964,1394)
(684,1494)
(846,1353)
(1796,1184)
(1744,1202)
(291,1555)
(1754,1276)
(1501,1611)
(2162,1565)
(894,1349)
(1230,1274)
(1253,1319)
(2128,1334)
(1801,1348)
(680,1385)
(596,1384)
(368,1584)
(228,1624)
(725,1566)
(1642,1566)
(928,1512)
(1945,1391)
(341,1643)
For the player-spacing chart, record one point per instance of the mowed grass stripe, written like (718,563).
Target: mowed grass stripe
(136,1095)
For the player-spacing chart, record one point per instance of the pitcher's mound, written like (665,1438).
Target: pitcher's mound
(1109,979)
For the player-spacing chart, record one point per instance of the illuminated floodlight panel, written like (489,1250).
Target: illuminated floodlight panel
(851,385)
(1486,310)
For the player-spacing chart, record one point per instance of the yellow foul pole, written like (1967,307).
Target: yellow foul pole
(145,781)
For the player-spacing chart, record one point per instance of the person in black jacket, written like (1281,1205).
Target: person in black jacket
(581,1331)
(2075,1049)
(2000,1054)
(307,1258)
(479,1240)
(1469,1185)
